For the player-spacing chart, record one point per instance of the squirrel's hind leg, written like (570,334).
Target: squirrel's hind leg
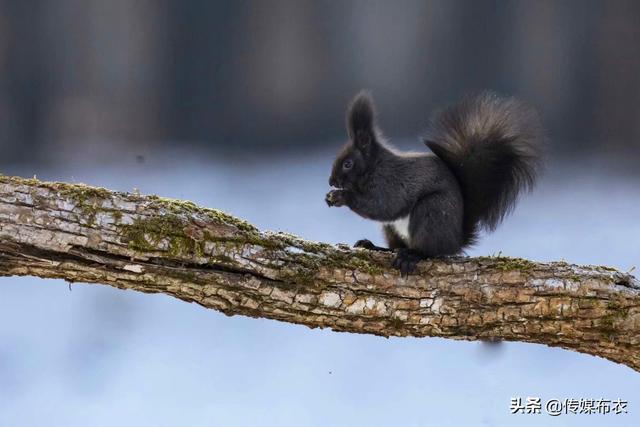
(436,230)
(436,225)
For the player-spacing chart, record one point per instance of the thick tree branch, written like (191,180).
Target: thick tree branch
(151,244)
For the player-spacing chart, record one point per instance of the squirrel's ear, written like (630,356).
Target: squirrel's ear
(361,120)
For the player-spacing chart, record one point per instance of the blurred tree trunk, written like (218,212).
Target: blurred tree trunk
(151,244)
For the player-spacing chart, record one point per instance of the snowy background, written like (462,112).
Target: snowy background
(98,356)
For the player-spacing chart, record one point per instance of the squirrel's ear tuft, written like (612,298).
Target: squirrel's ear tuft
(361,120)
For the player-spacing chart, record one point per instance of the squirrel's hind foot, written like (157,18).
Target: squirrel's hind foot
(406,260)
(368,244)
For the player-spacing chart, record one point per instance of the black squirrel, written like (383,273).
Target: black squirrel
(485,151)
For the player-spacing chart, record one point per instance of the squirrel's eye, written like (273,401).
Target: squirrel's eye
(348,164)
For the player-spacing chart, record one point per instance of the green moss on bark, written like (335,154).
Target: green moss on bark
(146,235)
(507,263)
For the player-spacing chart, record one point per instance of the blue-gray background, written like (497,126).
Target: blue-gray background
(239,106)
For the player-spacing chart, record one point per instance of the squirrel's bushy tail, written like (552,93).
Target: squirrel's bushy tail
(493,147)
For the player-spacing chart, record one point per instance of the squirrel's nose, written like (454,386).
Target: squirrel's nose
(333,182)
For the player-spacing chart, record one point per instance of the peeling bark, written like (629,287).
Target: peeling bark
(151,244)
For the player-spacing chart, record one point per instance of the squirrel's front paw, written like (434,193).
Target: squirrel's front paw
(336,198)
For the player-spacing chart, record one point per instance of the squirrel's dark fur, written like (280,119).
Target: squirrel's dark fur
(486,150)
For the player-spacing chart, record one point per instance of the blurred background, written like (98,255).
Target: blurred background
(239,105)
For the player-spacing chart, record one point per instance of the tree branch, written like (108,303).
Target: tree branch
(151,244)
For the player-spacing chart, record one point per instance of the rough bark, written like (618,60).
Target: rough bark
(151,244)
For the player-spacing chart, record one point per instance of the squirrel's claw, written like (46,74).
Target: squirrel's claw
(406,261)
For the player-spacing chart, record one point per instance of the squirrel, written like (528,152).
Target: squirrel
(485,151)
